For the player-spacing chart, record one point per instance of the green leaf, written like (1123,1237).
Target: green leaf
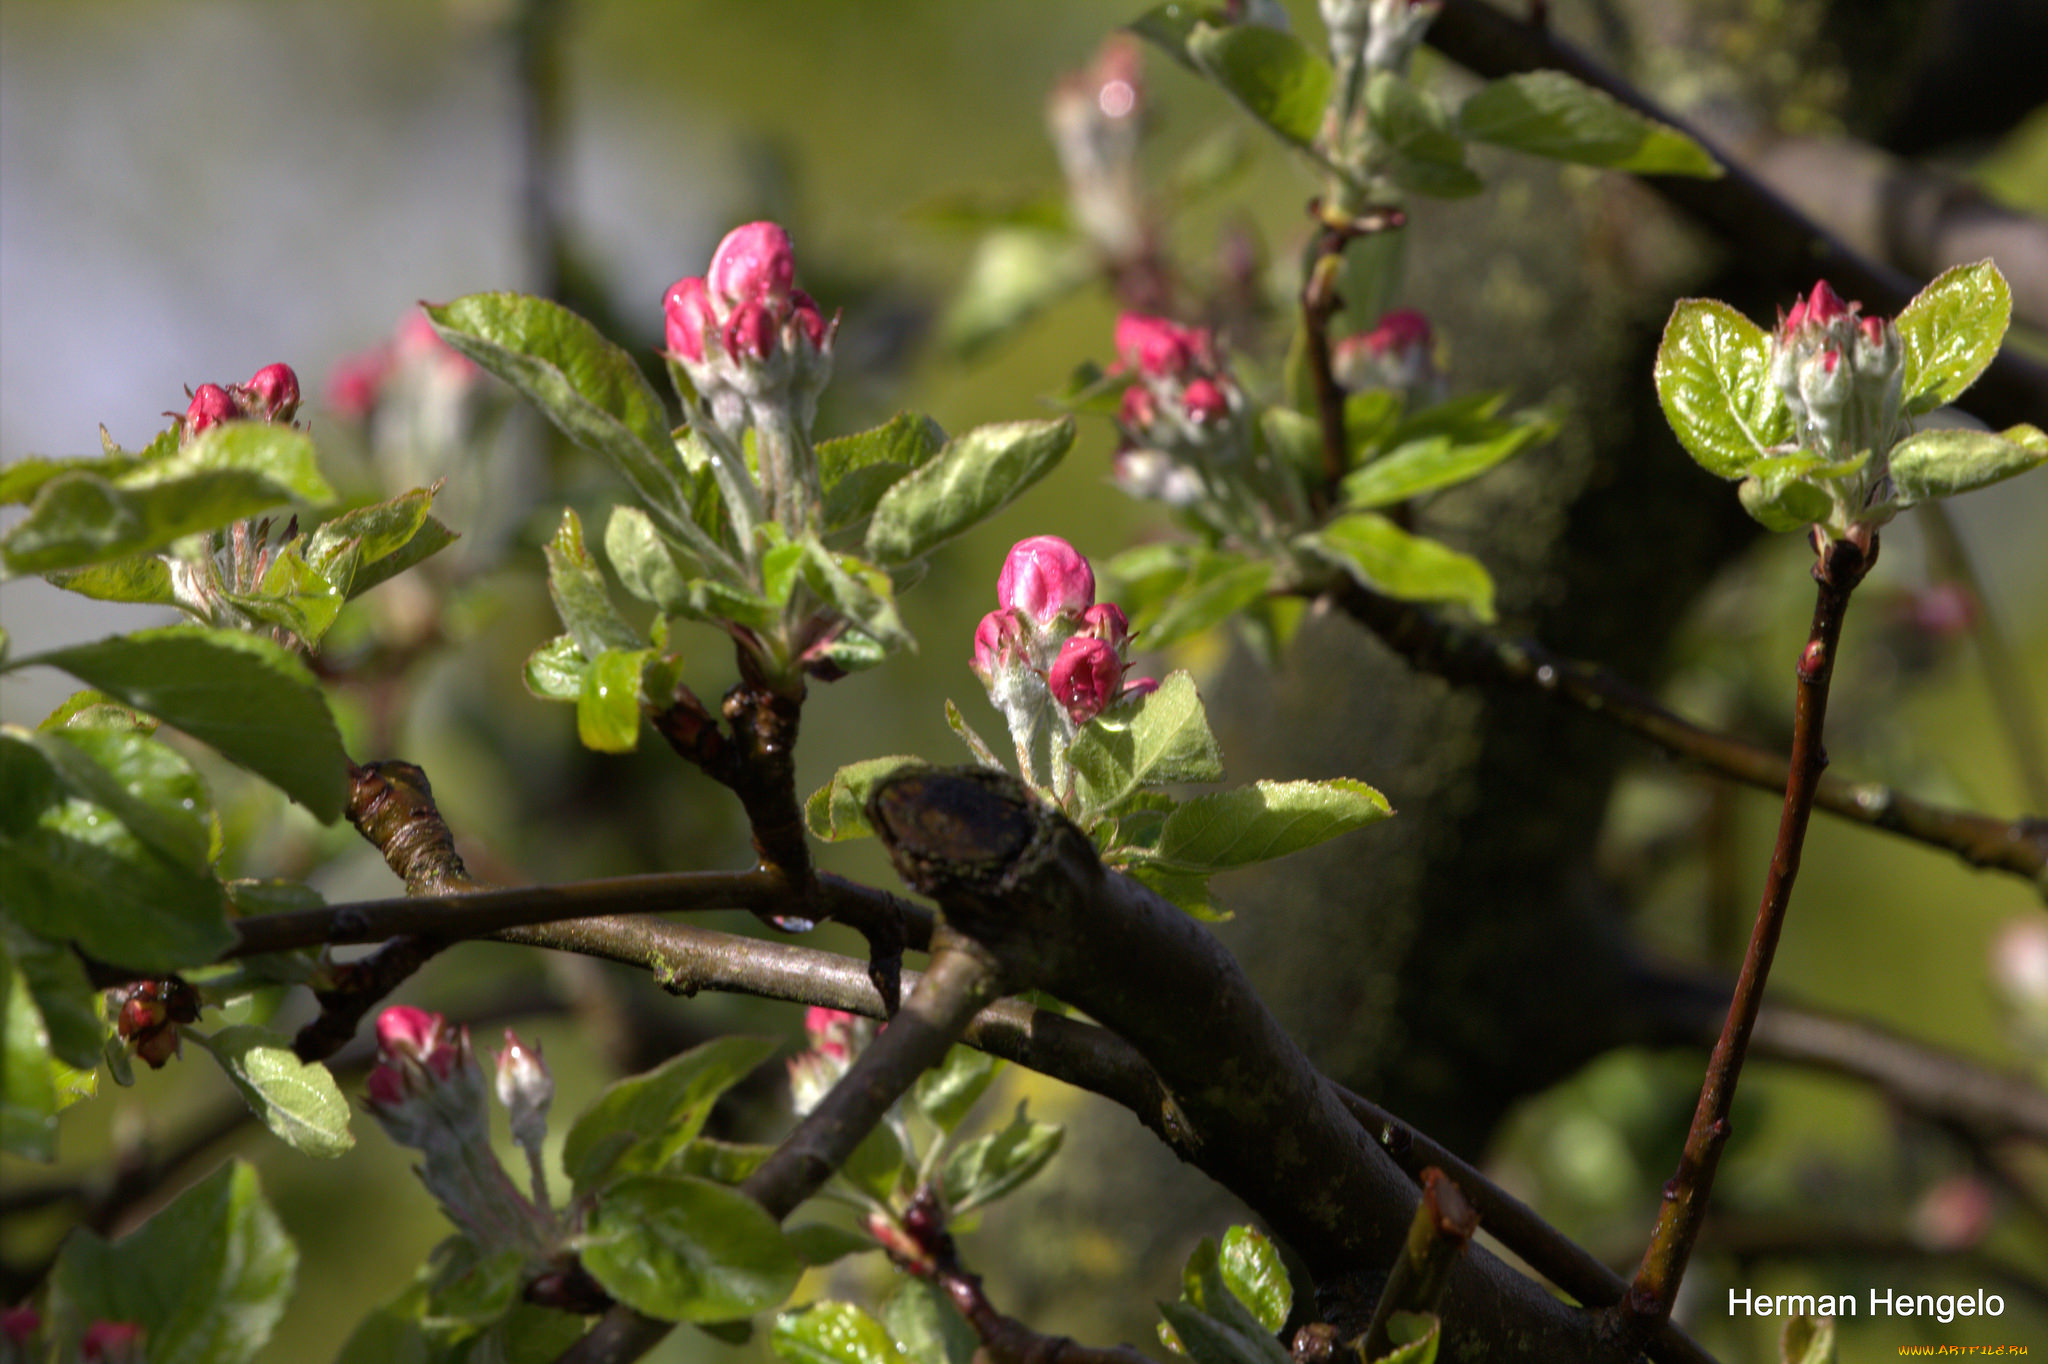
(1210,1341)
(91,709)
(1416,1336)
(1807,1340)
(878,1166)
(688,1249)
(252,701)
(995,1163)
(1265,820)
(138,578)
(1781,492)
(976,745)
(207,1277)
(1185,891)
(724,1162)
(23,479)
(589,388)
(856,591)
(857,469)
(1382,556)
(639,1122)
(361,548)
(837,810)
(1016,273)
(947,1091)
(297,1100)
(1169,26)
(293,596)
(1950,332)
(1432,462)
(64,997)
(472,1287)
(576,586)
(71,868)
(233,471)
(1428,155)
(975,475)
(833,1333)
(926,1326)
(1251,1269)
(1220,586)
(608,705)
(555,671)
(1548,113)
(1934,464)
(1714,381)
(28,1085)
(1163,737)
(820,1243)
(1272,74)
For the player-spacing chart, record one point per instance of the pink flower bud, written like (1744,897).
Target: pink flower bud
(1105,621)
(353,383)
(1085,677)
(403,1031)
(525,1087)
(750,331)
(687,308)
(753,262)
(810,322)
(111,1342)
(1044,578)
(1205,403)
(276,392)
(1401,330)
(385,1085)
(1143,686)
(17,1324)
(832,1031)
(1136,409)
(210,406)
(997,640)
(1158,347)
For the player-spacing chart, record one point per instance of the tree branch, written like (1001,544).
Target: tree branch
(1472,655)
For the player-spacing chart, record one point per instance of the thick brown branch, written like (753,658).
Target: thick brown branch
(1469,654)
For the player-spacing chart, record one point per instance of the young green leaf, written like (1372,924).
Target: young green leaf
(291,596)
(927,1327)
(1160,738)
(1932,464)
(608,704)
(207,1277)
(639,1122)
(857,591)
(975,475)
(834,1333)
(23,479)
(252,701)
(28,1085)
(1272,74)
(1807,1340)
(1220,586)
(576,586)
(363,547)
(1548,113)
(297,1100)
(994,1164)
(1207,1340)
(688,1249)
(555,671)
(1265,820)
(1251,1269)
(64,997)
(1428,155)
(1951,331)
(1783,492)
(1416,1336)
(1382,556)
(946,1091)
(821,1243)
(1713,378)
(142,578)
(857,469)
(837,810)
(1432,462)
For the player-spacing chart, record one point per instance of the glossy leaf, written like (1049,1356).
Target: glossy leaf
(837,810)
(820,1243)
(1807,1340)
(995,1163)
(1713,376)
(1265,820)
(1272,74)
(24,478)
(251,700)
(28,1086)
(366,546)
(207,1277)
(1433,462)
(947,1091)
(1944,463)
(608,704)
(1428,155)
(1160,738)
(297,1100)
(1782,492)
(833,1333)
(857,469)
(142,578)
(974,476)
(292,596)
(576,586)
(1169,26)
(64,997)
(1251,1269)
(927,1327)
(555,671)
(688,1249)
(1382,556)
(639,1122)
(1207,1340)
(71,868)
(1950,331)
(1551,114)
(1220,586)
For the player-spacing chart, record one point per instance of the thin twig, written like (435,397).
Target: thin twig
(1441,1228)
(1840,566)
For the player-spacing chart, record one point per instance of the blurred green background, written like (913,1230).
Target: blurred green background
(190,190)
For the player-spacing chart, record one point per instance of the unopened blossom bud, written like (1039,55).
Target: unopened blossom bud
(403,1031)
(1819,309)
(1086,677)
(750,331)
(1159,347)
(1136,409)
(111,1342)
(147,1017)
(687,311)
(1105,621)
(1140,686)
(1397,353)
(526,1089)
(1044,578)
(210,406)
(1953,1215)
(810,322)
(753,262)
(18,1323)
(1824,388)
(834,1032)
(998,644)
(1205,403)
(274,390)
(902,1247)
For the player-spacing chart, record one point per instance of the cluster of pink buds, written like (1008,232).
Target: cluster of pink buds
(836,1037)
(1398,353)
(1181,411)
(428,1093)
(271,395)
(1841,374)
(1050,647)
(148,1015)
